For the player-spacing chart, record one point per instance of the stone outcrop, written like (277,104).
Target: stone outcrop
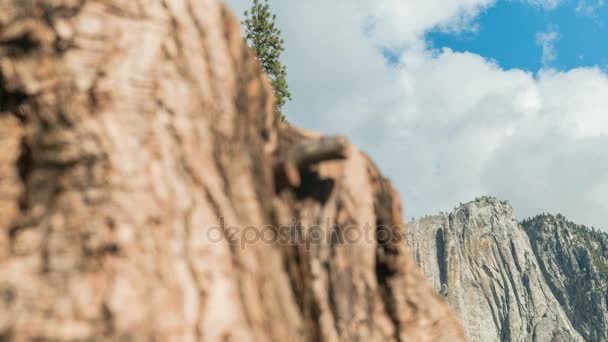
(144,181)
(480,259)
(573,259)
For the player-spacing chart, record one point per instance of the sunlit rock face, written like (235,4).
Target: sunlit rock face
(480,259)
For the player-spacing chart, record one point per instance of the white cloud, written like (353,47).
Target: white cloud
(589,7)
(546,40)
(398,22)
(447,126)
(546,4)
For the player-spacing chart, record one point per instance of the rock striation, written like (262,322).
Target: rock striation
(145,181)
(481,260)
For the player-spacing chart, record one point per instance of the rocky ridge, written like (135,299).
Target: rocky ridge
(481,260)
(573,260)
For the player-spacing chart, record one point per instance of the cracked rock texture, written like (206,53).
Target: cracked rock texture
(481,260)
(138,145)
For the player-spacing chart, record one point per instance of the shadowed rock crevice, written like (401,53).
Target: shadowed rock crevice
(441,262)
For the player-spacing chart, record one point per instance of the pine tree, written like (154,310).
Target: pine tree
(265,38)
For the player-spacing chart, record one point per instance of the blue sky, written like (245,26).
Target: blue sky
(507,34)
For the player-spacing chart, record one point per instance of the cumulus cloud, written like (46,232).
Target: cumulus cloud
(446,126)
(546,40)
(397,22)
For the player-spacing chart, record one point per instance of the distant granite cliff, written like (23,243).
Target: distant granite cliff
(573,261)
(543,280)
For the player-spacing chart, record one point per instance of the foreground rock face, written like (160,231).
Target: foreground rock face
(479,257)
(144,179)
(574,263)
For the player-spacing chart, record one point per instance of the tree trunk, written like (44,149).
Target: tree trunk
(140,198)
